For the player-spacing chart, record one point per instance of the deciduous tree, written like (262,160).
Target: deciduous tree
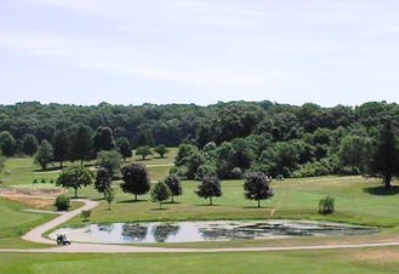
(209,187)
(124,147)
(144,151)
(135,179)
(8,145)
(44,154)
(161,150)
(103,180)
(61,144)
(174,184)
(29,144)
(160,193)
(75,176)
(257,187)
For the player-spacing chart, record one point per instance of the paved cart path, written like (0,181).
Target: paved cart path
(36,235)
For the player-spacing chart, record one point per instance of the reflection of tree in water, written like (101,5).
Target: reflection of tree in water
(162,231)
(136,232)
(105,227)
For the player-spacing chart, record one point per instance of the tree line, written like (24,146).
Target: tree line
(226,139)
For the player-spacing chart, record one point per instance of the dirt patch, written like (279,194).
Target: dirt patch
(378,256)
(35,198)
(34,202)
(31,192)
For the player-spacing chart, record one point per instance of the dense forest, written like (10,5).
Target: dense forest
(227,139)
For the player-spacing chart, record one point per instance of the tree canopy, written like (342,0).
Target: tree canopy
(75,176)
(257,187)
(135,179)
(209,187)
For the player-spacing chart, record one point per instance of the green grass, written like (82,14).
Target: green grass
(357,200)
(296,199)
(16,222)
(324,261)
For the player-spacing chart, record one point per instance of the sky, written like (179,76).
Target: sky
(129,52)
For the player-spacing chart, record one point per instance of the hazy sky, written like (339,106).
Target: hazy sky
(327,52)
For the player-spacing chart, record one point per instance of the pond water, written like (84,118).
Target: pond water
(124,233)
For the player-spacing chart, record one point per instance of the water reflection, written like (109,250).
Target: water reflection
(161,232)
(205,231)
(134,232)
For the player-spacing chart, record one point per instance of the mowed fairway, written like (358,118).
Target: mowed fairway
(376,260)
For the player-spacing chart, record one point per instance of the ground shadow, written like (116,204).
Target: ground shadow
(381,190)
(131,201)
(212,205)
(159,209)
(256,207)
(48,169)
(171,203)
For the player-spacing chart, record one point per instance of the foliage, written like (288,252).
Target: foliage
(75,176)
(144,151)
(354,152)
(385,157)
(160,193)
(62,146)
(135,179)
(44,154)
(8,144)
(2,161)
(209,187)
(243,136)
(103,180)
(104,139)
(124,147)
(326,205)
(161,150)
(62,202)
(189,157)
(111,160)
(109,196)
(85,215)
(29,144)
(257,187)
(82,144)
(174,184)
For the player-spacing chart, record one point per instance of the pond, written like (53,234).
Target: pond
(124,233)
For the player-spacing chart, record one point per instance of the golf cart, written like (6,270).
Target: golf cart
(63,240)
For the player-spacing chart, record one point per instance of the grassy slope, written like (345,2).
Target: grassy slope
(16,223)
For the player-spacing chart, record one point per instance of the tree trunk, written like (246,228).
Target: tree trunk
(387,181)
(258,203)
(76,193)
(135,197)
(160,205)
(172,200)
(210,200)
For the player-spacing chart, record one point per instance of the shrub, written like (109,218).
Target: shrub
(34,181)
(326,205)
(62,202)
(85,214)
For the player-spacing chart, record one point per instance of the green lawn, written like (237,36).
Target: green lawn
(372,261)
(16,222)
(355,202)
